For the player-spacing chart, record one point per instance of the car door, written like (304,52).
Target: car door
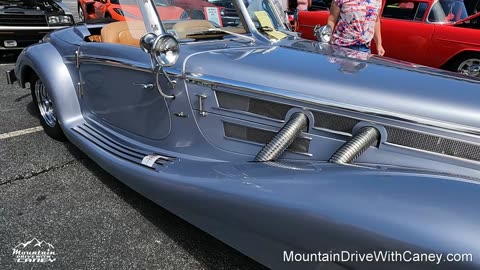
(405,35)
(118,87)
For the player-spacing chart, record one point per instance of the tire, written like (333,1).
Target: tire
(463,63)
(44,107)
(81,15)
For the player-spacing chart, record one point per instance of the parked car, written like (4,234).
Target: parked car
(99,9)
(438,34)
(276,145)
(24,22)
(196,10)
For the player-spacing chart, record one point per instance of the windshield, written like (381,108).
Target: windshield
(448,11)
(192,20)
(223,15)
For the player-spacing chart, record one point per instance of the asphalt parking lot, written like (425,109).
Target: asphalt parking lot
(51,191)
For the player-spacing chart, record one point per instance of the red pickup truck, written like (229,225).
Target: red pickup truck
(436,33)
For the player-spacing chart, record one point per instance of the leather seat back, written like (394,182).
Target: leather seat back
(127,33)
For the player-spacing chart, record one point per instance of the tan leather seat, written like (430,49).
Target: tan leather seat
(188,27)
(127,33)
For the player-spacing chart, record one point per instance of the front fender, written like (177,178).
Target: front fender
(44,60)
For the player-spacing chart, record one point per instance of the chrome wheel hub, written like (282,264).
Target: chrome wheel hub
(470,67)
(45,104)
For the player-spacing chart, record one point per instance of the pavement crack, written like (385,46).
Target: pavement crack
(29,175)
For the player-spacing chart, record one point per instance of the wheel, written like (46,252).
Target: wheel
(81,16)
(468,64)
(44,107)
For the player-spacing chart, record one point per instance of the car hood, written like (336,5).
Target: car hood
(476,15)
(333,76)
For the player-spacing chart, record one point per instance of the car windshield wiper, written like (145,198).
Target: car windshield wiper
(219,32)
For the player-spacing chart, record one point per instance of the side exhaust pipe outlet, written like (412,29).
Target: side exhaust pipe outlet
(283,139)
(356,145)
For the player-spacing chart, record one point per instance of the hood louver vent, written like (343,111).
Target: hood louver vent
(261,136)
(252,105)
(433,143)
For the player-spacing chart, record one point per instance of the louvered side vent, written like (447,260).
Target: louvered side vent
(433,143)
(114,147)
(261,136)
(334,122)
(252,105)
(337,123)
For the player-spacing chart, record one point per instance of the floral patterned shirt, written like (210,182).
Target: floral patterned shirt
(356,23)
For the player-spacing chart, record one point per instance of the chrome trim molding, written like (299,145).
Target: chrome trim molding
(113,63)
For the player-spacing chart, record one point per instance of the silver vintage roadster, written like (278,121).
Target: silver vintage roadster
(299,154)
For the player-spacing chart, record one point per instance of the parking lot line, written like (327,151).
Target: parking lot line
(20,132)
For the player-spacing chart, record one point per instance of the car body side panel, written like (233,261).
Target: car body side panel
(407,40)
(115,92)
(450,40)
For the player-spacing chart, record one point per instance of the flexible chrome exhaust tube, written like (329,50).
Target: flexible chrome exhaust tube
(356,145)
(283,139)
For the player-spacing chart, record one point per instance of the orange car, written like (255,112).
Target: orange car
(98,9)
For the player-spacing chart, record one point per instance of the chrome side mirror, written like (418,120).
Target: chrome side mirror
(165,49)
(323,33)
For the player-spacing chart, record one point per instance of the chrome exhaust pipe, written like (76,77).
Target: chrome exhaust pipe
(283,139)
(356,145)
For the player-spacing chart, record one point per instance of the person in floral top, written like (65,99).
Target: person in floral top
(355,23)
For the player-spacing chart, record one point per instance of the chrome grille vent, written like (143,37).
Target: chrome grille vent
(252,105)
(337,123)
(334,122)
(261,136)
(433,143)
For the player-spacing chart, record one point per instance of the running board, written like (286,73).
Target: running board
(115,148)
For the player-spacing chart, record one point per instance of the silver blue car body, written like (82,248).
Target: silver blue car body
(186,136)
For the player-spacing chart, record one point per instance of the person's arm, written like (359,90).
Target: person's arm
(377,36)
(334,13)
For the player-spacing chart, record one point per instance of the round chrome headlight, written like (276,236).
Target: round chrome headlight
(166,50)
(323,33)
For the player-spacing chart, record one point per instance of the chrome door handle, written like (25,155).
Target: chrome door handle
(145,85)
(201,97)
